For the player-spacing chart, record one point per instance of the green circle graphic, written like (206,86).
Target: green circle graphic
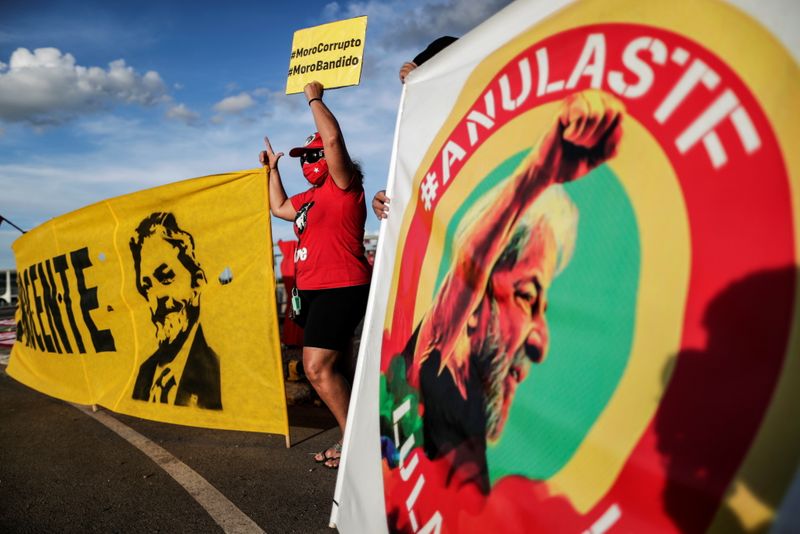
(591,314)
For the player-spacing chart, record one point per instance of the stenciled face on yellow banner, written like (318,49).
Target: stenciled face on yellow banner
(184,370)
(169,287)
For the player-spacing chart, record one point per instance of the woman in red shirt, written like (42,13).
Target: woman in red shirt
(332,272)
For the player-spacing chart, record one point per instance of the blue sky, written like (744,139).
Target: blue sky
(100,99)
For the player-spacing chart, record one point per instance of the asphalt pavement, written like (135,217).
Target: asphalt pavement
(62,470)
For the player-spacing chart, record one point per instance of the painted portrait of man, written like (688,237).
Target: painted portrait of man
(184,370)
(487,325)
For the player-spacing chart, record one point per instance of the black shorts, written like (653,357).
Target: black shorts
(329,317)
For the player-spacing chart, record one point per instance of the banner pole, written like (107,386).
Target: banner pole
(3,219)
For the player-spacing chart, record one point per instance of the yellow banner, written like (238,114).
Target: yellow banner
(331,54)
(159,304)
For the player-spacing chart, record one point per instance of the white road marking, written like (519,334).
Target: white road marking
(221,510)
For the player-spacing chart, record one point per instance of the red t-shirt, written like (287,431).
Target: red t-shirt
(330,229)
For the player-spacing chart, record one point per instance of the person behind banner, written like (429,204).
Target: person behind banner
(487,323)
(380,202)
(184,370)
(332,272)
(431,50)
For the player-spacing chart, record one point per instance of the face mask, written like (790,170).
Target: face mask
(316,173)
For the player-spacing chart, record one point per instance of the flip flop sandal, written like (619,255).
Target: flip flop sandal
(322,456)
(332,463)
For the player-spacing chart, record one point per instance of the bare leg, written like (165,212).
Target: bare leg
(329,384)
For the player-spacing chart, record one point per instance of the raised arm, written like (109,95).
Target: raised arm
(584,135)
(279,203)
(339,163)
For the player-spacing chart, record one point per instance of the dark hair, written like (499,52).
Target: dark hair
(434,48)
(172,234)
(358,174)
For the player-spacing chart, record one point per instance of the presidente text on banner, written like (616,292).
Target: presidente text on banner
(158,304)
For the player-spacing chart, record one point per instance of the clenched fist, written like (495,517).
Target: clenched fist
(585,135)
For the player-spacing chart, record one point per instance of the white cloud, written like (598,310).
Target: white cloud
(262,92)
(414,24)
(46,87)
(180,112)
(452,17)
(234,105)
(171,151)
(160,152)
(331,11)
